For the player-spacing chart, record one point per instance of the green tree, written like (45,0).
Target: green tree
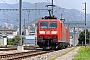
(81,38)
(15,40)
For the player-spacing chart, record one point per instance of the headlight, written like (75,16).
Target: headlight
(42,32)
(54,32)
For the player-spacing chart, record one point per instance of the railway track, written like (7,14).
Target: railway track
(5,48)
(22,55)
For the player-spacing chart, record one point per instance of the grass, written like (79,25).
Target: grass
(83,53)
(61,54)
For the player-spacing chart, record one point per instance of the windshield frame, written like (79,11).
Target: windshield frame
(48,24)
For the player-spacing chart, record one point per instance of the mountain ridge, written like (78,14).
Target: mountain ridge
(29,16)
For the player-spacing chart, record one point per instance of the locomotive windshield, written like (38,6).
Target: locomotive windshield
(53,25)
(48,24)
(43,24)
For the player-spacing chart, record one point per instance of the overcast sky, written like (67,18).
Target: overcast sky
(68,4)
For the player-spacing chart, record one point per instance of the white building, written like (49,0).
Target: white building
(3,40)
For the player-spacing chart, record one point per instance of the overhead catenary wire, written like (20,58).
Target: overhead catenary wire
(56,10)
(48,1)
(7,15)
(10,10)
(6,3)
(13,7)
(23,7)
(16,0)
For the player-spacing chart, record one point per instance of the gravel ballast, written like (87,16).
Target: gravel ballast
(49,56)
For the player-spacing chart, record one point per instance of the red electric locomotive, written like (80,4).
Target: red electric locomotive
(52,33)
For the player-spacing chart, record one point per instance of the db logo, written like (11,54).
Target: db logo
(48,32)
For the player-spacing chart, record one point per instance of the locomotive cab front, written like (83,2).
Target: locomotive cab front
(47,33)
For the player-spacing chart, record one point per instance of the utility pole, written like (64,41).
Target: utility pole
(20,47)
(24,27)
(74,36)
(20,20)
(52,7)
(61,16)
(24,33)
(89,40)
(62,19)
(85,21)
(35,24)
(28,15)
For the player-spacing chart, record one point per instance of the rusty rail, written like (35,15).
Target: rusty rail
(22,55)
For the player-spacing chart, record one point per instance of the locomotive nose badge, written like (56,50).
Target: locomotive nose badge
(48,32)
